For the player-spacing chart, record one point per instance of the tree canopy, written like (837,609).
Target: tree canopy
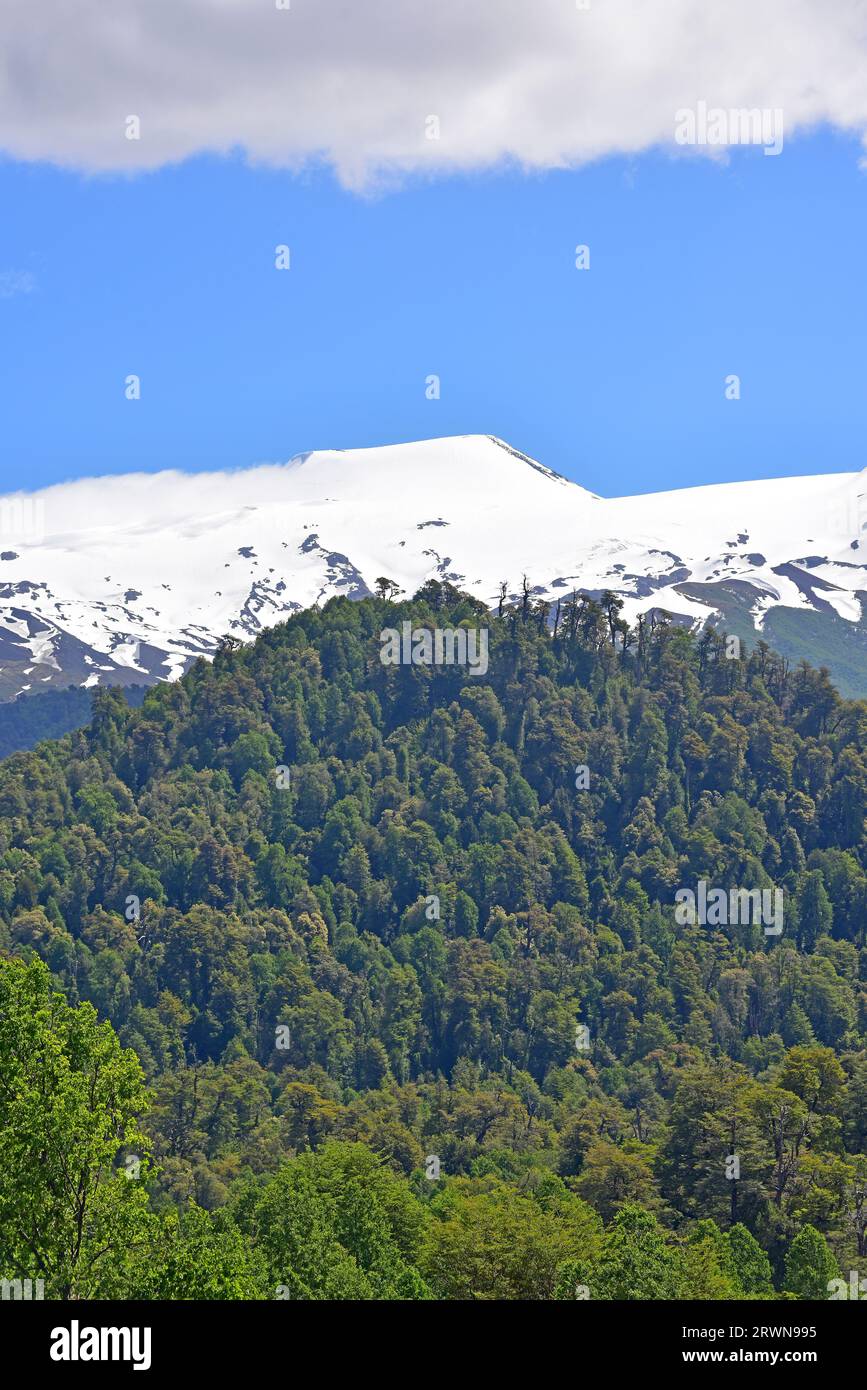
(395,999)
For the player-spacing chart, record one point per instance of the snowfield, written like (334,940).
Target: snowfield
(128,579)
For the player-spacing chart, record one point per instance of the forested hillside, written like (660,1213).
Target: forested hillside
(397,950)
(30,718)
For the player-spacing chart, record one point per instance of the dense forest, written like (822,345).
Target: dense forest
(322,978)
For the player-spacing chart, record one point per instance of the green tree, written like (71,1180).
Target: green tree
(815,914)
(196,1255)
(810,1266)
(635,1261)
(70,1098)
(338,1224)
(612,1178)
(750,1263)
(490,1242)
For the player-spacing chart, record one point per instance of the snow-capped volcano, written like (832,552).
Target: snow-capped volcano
(128,579)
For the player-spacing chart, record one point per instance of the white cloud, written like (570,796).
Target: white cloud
(541,82)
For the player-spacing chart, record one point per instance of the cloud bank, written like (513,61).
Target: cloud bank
(354,83)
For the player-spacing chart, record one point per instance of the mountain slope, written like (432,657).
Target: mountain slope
(126,580)
(327,899)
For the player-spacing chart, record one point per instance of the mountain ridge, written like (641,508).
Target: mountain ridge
(128,579)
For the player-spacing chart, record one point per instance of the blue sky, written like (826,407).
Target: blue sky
(614,376)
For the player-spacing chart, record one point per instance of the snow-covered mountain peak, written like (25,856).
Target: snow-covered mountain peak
(475,460)
(128,578)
